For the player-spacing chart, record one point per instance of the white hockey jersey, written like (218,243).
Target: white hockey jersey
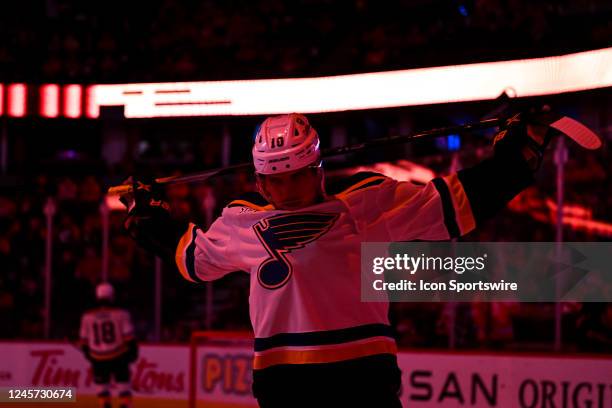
(304,265)
(106,331)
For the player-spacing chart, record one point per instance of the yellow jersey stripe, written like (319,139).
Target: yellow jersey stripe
(251,205)
(358,185)
(180,256)
(324,354)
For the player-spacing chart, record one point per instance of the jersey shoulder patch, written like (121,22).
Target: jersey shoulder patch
(356,182)
(252,200)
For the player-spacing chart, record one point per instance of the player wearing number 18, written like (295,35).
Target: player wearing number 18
(107,340)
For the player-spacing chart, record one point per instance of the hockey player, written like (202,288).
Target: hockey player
(107,341)
(316,343)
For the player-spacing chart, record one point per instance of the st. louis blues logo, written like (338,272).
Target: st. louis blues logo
(283,233)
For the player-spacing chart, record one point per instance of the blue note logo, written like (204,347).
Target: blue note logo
(282,234)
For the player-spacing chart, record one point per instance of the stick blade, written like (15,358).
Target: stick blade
(578,132)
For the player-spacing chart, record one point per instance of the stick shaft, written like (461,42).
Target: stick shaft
(336,151)
(390,140)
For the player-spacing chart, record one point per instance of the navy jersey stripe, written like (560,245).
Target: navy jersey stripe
(447,206)
(190,255)
(324,337)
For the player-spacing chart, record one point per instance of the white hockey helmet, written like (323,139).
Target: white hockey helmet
(105,291)
(285,143)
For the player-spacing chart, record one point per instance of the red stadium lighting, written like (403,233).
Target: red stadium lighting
(1,99)
(92,110)
(72,101)
(17,98)
(49,100)
(375,90)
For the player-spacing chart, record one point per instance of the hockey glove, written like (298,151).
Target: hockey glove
(525,135)
(149,221)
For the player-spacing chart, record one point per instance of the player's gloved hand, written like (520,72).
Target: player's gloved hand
(526,134)
(144,203)
(149,221)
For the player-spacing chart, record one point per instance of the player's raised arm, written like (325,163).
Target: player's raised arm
(452,206)
(198,255)
(207,255)
(518,153)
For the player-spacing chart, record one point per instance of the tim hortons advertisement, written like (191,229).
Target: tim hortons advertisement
(223,376)
(160,371)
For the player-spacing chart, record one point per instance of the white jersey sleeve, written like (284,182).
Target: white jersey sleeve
(391,210)
(204,256)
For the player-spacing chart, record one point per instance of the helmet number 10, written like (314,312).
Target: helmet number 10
(277,142)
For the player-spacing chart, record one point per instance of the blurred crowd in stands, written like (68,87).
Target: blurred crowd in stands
(77,238)
(165,40)
(77,263)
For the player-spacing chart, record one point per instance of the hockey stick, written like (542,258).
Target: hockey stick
(566,125)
